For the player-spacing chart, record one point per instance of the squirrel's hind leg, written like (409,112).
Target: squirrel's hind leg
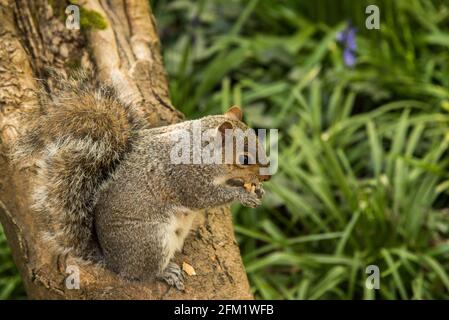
(172,274)
(176,232)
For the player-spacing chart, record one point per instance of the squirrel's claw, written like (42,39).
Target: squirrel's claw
(173,276)
(259,192)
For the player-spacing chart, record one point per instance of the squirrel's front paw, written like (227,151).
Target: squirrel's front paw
(250,199)
(173,276)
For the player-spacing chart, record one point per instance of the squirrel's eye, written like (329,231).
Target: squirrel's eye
(243,159)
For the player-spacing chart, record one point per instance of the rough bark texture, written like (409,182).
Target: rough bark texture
(33,36)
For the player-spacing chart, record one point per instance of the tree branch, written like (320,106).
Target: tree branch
(126,54)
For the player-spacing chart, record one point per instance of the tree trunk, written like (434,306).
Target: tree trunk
(126,54)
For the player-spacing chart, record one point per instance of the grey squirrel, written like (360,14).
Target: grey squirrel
(107,188)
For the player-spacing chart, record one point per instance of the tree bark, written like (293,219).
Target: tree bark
(125,54)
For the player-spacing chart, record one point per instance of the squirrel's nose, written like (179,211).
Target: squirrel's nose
(265,177)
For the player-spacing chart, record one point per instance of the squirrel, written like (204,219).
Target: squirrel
(106,185)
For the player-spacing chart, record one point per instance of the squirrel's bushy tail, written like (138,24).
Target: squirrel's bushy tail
(78,138)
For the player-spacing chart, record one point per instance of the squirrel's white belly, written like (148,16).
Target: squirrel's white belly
(179,228)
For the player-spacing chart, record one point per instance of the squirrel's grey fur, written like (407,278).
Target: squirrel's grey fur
(106,187)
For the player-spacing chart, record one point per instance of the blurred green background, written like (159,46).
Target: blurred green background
(363,173)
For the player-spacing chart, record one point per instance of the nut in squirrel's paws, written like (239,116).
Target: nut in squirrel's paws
(173,276)
(254,188)
(252,195)
(250,187)
(251,192)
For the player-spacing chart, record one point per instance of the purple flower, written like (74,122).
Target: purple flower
(347,38)
(349,57)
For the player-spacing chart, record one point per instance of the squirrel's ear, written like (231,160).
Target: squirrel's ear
(234,113)
(223,127)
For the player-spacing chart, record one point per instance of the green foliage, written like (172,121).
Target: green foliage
(363,174)
(10,282)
